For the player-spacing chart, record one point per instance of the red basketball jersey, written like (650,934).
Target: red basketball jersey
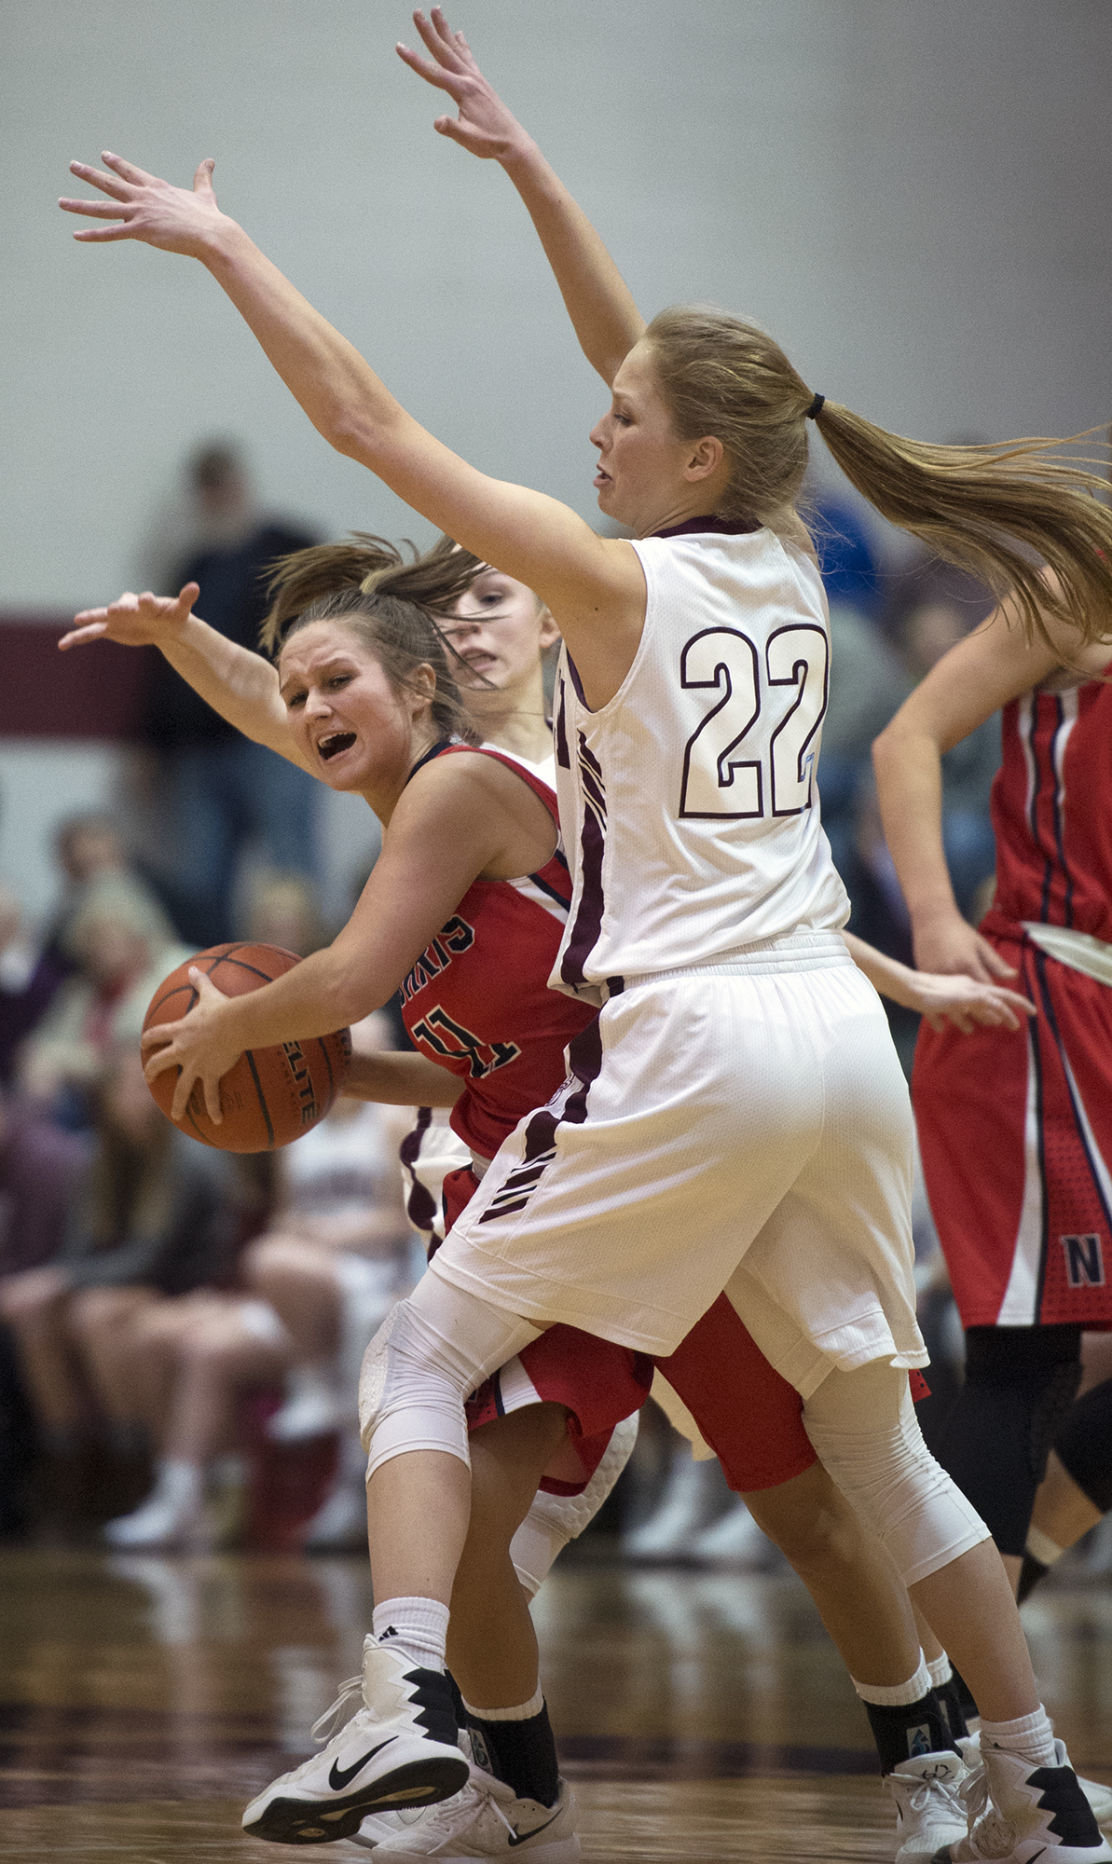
(1015,1126)
(1052,812)
(477,1000)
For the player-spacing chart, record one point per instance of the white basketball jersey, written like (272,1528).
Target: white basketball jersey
(688,803)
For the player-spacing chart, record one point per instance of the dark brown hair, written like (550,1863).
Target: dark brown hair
(389,603)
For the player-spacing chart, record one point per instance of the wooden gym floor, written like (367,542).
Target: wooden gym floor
(703,1715)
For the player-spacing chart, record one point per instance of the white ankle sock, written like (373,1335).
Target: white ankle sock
(1030,1736)
(417,1627)
(524,1711)
(896,1695)
(940,1670)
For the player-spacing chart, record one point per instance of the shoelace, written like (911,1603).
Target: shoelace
(327,1724)
(921,1790)
(471,1799)
(993,1835)
(920,1796)
(474,1796)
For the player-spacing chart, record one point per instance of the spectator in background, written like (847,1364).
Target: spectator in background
(283,909)
(867,681)
(123,948)
(40,1171)
(93,862)
(224,792)
(157,1214)
(30,975)
(317,1281)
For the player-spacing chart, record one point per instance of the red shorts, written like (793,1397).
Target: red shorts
(749,1415)
(597,1382)
(1015,1131)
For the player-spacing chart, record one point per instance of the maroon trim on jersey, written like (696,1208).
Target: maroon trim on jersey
(722,527)
(578,684)
(420,1205)
(560,729)
(584,1066)
(585,929)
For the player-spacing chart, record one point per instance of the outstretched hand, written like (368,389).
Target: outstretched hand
(141,206)
(484,125)
(133,620)
(195,1046)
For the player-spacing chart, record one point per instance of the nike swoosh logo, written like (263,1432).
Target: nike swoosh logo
(339,1777)
(521,1838)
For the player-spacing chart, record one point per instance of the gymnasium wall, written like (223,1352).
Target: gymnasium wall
(913,194)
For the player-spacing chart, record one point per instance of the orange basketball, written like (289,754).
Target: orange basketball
(272,1095)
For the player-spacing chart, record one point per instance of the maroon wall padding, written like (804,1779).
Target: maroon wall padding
(87,692)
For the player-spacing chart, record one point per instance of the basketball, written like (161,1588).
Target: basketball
(272,1095)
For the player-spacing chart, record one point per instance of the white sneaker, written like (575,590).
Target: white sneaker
(1019,1813)
(171,1518)
(399,1749)
(1098,1795)
(380,1827)
(486,1820)
(340,1523)
(310,1410)
(930,1812)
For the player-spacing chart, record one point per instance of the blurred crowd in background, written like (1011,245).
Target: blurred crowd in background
(181,1328)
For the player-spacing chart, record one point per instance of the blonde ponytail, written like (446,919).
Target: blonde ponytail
(1001,512)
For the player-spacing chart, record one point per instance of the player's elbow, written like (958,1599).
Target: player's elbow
(351,986)
(890,747)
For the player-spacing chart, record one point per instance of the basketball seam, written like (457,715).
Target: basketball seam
(263,1108)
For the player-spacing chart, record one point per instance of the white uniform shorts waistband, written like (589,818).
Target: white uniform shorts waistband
(792,951)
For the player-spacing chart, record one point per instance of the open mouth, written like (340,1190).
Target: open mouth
(336,742)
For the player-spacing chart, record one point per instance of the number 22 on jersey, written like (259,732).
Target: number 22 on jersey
(749,756)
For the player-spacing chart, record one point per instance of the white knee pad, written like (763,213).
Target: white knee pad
(553,1520)
(863,1426)
(431,1351)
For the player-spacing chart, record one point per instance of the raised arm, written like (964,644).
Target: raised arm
(599,303)
(593,586)
(980,674)
(240,685)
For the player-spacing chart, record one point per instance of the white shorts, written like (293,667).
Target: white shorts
(750,1112)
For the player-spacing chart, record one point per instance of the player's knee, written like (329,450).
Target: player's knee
(810,1520)
(408,1397)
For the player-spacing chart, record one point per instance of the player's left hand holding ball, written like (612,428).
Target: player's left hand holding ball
(193,1044)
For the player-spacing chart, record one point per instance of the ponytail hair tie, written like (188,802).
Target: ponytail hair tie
(815,409)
